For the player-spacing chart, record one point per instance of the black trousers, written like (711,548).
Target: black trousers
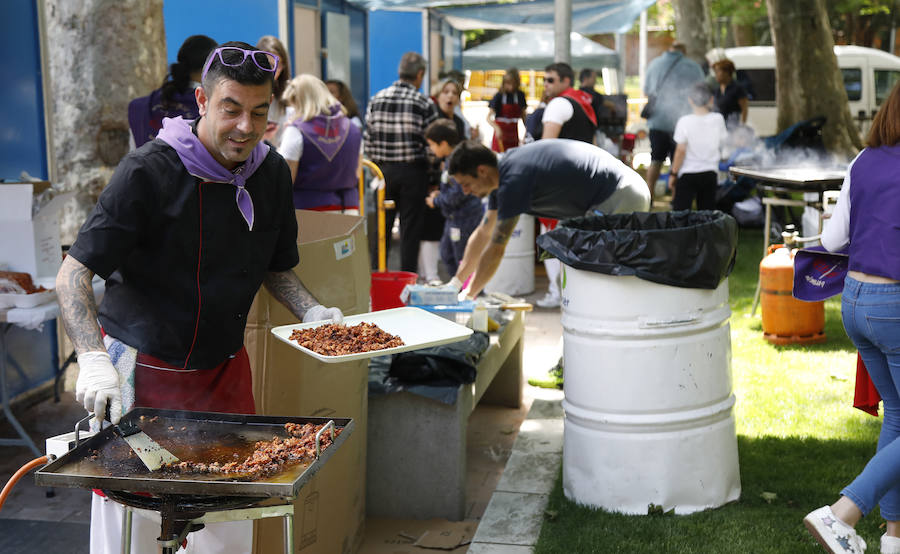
(701,186)
(406,184)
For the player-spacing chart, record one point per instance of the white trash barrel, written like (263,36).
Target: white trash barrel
(648,398)
(515,275)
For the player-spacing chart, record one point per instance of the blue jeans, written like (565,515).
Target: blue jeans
(871,314)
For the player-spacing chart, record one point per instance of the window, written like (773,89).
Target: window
(884,82)
(852,82)
(759,84)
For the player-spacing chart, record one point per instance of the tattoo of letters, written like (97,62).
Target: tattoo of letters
(286,287)
(78,307)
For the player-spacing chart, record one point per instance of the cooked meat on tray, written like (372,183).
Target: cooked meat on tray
(269,457)
(337,340)
(17,282)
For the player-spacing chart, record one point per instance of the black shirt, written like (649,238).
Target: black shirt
(579,127)
(556,178)
(181,266)
(596,100)
(727,102)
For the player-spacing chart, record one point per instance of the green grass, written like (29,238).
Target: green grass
(798,437)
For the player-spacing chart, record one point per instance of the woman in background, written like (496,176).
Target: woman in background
(341,91)
(176,95)
(867,218)
(507,108)
(278,115)
(731,98)
(322,148)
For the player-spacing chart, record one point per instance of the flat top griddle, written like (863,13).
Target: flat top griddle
(800,178)
(106,462)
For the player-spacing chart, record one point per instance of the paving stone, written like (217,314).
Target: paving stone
(512,518)
(530,472)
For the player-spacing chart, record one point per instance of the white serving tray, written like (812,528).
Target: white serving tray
(417,327)
(15,300)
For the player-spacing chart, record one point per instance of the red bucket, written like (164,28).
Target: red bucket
(387,286)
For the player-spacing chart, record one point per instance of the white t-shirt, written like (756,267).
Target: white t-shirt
(836,230)
(291,147)
(558,110)
(704,136)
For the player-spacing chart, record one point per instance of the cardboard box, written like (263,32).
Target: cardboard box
(30,244)
(425,295)
(329,514)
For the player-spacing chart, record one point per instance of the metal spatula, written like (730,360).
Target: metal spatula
(148,450)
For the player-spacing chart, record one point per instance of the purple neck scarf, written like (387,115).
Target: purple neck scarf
(327,132)
(177,133)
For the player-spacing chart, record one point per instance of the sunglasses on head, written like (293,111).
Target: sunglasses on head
(232,56)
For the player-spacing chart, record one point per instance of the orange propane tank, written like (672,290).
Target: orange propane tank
(786,320)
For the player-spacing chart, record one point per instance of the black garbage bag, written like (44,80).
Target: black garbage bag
(692,249)
(448,365)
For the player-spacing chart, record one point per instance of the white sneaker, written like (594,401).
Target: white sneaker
(548,301)
(836,536)
(890,545)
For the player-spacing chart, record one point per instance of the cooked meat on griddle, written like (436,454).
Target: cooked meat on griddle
(269,457)
(334,339)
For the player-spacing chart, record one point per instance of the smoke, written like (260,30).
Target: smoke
(802,149)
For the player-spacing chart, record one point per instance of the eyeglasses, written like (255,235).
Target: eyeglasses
(266,61)
(550,80)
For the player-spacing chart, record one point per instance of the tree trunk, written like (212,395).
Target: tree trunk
(694,28)
(102,53)
(744,35)
(808,81)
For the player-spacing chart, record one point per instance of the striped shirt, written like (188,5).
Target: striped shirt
(395,124)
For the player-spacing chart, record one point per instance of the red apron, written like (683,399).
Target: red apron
(225,388)
(508,121)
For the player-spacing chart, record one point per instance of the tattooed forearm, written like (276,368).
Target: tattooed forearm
(503,230)
(77,306)
(285,286)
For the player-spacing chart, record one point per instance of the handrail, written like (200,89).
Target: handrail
(379,207)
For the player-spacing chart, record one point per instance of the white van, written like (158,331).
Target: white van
(869,75)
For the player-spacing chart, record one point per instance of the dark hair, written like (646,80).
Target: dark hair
(699,94)
(467,156)
(345,97)
(562,69)
(513,73)
(271,44)
(885,129)
(586,73)
(725,64)
(191,57)
(442,130)
(410,65)
(246,74)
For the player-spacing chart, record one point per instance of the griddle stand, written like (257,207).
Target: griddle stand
(175,523)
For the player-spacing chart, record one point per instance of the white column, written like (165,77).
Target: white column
(642,50)
(562,27)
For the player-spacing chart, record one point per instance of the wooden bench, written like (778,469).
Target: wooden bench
(416,459)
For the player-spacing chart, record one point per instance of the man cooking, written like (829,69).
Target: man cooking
(556,178)
(189,227)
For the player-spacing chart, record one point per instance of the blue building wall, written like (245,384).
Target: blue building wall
(392,34)
(222,20)
(23,143)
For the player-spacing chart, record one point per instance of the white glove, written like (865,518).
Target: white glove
(97,385)
(321,313)
(455,283)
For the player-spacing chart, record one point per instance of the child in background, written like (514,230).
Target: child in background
(462,212)
(507,108)
(700,137)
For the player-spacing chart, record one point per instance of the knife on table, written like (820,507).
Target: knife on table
(148,450)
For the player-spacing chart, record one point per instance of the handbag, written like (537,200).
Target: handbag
(650,106)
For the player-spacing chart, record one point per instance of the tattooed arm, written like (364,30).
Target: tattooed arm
(78,307)
(285,286)
(492,255)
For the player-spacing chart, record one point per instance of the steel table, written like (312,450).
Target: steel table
(787,180)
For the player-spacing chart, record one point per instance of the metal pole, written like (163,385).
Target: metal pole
(288,533)
(126,530)
(642,50)
(562,27)
(620,74)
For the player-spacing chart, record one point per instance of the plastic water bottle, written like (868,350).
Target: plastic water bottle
(480,317)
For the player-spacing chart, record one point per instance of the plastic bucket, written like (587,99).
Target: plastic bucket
(387,286)
(648,398)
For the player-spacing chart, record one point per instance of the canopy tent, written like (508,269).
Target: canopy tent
(535,50)
(588,16)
